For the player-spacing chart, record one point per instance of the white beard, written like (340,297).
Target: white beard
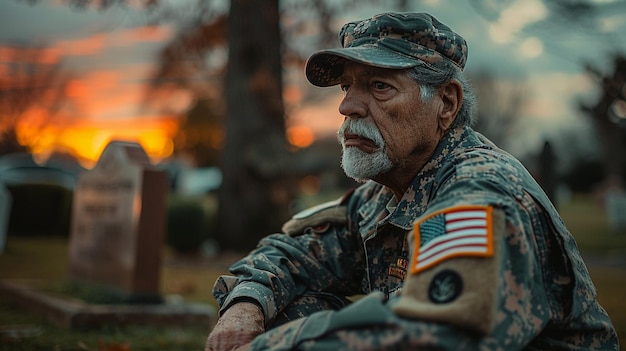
(360,165)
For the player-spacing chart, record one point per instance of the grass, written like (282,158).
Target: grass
(611,285)
(42,263)
(37,334)
(589,224)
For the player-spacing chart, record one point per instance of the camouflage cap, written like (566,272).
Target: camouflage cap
(390,40)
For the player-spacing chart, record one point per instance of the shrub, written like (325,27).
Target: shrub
(187,225)
(584,176)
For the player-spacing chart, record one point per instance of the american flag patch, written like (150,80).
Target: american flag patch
(452,232)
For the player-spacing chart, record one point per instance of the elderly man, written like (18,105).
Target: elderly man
(449,243)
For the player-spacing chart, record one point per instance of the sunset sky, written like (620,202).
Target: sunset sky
(110,55)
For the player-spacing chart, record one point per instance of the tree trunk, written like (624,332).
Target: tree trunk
(611,133)
(255,194)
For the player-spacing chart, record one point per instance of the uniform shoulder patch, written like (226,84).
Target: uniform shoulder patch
(458,270)
(318,217)
(460,231)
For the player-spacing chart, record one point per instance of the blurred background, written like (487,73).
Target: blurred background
(215,93)
(77,74)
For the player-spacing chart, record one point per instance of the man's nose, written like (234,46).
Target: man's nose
(353,104)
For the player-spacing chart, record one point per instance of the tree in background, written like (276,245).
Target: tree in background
(232,62)
(195,60)
(201,134)
(255,193)
(29,93)
(608,115)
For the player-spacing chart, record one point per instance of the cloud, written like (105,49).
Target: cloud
(98,43)
(110,94)
(42,56)
(81,47)
(552,96)
(516,17)
(530,48)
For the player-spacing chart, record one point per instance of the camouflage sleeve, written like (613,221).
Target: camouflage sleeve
(324,258)
(368,324)
(505,300)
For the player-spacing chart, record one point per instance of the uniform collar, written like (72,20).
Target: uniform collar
(382,208)
(415,200)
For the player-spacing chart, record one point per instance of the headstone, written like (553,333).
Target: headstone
(118,223)
(5,213)
(548,177)
(616,210)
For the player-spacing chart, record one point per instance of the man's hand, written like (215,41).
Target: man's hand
(238,326)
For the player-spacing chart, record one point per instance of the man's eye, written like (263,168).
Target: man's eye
(380,85)
(344,87)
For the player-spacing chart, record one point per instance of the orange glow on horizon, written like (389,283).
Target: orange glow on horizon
(86,139)
(100,101)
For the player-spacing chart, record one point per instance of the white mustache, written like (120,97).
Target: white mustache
(363,128)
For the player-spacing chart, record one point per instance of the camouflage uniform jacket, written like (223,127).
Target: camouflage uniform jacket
(542,295)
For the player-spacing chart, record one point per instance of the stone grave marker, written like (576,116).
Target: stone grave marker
(616,210)
(118,224)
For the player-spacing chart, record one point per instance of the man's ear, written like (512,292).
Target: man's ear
(451,94)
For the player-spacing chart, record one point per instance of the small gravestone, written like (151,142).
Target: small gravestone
(616,210)
(548,176)
(5,212)
(118,224)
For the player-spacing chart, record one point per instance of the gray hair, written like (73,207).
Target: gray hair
(429,80)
